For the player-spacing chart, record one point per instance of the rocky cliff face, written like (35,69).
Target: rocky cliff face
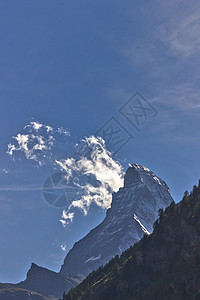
(47,282)
(40,284)
(133,212)
(164,265)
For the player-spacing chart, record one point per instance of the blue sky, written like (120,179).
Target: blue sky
(73,64)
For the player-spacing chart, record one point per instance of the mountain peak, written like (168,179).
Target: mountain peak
(34,266)
(133,211)
(163,265)
(139,167)
(46,282)
(138,174)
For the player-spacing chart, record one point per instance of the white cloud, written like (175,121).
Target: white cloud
(35,125)
(91,179)
(36,141)
(106,176)
(31,145)
(63,222)
(68,216)
(62,130)
(5,171)
(63,247)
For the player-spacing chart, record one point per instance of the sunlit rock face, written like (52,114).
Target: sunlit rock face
(133,211)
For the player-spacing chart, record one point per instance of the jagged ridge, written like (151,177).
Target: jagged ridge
(163,265)
(134,209)
(47,282)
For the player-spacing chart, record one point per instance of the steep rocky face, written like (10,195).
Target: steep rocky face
(164,265)
(47,282)
(133,211)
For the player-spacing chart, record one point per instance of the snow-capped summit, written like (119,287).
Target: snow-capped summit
(133,211)
(142,174)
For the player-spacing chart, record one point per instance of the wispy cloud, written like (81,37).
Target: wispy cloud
(181,33)
(4,171)
(105,173)
(169,53)
(63,247)
(182,98)
(67,218)
(24,188)
(92,178)
(35,142)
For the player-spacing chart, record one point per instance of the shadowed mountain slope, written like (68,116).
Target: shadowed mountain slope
(163,265)
(133,211)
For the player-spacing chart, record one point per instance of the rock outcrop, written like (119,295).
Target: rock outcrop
(163,265)
(133,211)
